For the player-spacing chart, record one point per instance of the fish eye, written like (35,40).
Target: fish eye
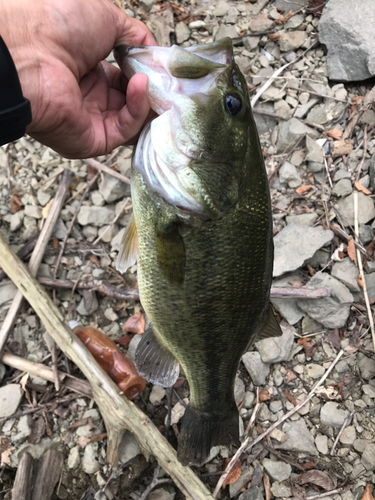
(232,103)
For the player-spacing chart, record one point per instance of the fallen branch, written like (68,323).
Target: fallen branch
(300,293)
(43,371)
(118,413)
(345,236)
(344,424)
(37,254)
(107,170)
(24,251)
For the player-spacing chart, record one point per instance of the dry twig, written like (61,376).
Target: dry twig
(107,170)
(344,424)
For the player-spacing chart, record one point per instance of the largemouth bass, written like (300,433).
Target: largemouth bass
(202,233)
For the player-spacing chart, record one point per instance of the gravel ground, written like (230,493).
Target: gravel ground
(316,161)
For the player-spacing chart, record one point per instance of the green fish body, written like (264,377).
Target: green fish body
(202,234)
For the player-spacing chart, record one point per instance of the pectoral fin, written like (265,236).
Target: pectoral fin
(270,328)
(171,253)
(154,362)
(128,253)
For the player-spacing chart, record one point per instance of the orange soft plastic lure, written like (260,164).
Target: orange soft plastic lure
(114,363)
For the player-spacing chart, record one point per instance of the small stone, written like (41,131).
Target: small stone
(89,462)
(299,438)
(314,371)
(253,493)
(226,31)
(366,366)
(302,219)
(277,349)
(43,197)
(239,390)
(342,188)
(321,442)
(342,174)
(332,415)
(368,457)
(156,395)
(278,471)
(161,494)
(242,481)
(23,428)
(196,25)
(292,40)
(221,8)
(278,435)
(97,199)
(147,5)
(366,210)
(249,399)
(288,174)
(347,272)
(294,22)
(33,211)
(93,306)
(110,314)
(129,448)
(60,231)
(348,435)
(276,406)
(16,220)
(369,390)
(74,458)
(112,188)
(319,114)
(10,398)
(258,370)
(260,23)
(96,216)
(365,234)
(182,32)
(314,151)
(7,293)
(290,131)
(280,490)
(302,110)
(360,445)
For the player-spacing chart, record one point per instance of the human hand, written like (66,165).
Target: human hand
(82,106)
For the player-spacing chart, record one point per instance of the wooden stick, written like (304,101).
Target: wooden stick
(37,254)
(344,424)
(24,251)
(49,470)
(22,486)
(345,236)
(43,371)
(103,168)
(119,413)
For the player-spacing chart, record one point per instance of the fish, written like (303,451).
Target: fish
(201,233)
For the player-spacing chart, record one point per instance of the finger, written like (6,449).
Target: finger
(127,123)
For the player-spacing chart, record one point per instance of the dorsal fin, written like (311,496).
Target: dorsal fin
(270,328)
(128,253)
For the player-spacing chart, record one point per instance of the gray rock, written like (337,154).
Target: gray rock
(74,458)
(369,268)
(342,188)
(23,428)
(315,167)
(366,366)
(264,123)
(60,230)
(89,460)
(314,371)
(260,23)
(289,133)
(295,244)
(368,457)
(332,312)
(96,216)
(365,234)
(302,219)
(319,114)
(348,34)
(33,211)
(253,493)
(369,390)
(225,31)
(360,445)
(239,390)
(287,5)
(182,32)
(113,189)
(147,5)
(276,406)
(16,220)
(278,471)
(243,480)
(366,210)
(342,174)
(280,490)
(7,292)
(164,493)
(321,442)
(10,398)
(348,435)
(277,349)
(156,395)
(129,448)
(347,272)
(299,438)
(332,415)
(43,197)
(294,22)
(87,307)
(314,151)
(302,110)
(288,174)
(221,8)
(257,370)
(288,309)
(292,40)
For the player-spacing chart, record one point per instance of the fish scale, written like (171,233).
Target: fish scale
(204,276)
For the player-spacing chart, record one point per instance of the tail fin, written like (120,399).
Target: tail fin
(201,431)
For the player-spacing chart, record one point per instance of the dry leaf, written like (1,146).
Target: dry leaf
(367,495)
(341,148)
(318,478)
(55,243)
(15,204)
(333,338)
(233,475)
(264,396)
(361,188)
(310,348)
(334,133)
(125,341)
(309,465)
(290,398)
(303,341)
(23,383)
(135,324)
(290,375)
(46,209)
(351,250)
(304,189)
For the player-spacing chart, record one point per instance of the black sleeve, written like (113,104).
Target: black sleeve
(15,110)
